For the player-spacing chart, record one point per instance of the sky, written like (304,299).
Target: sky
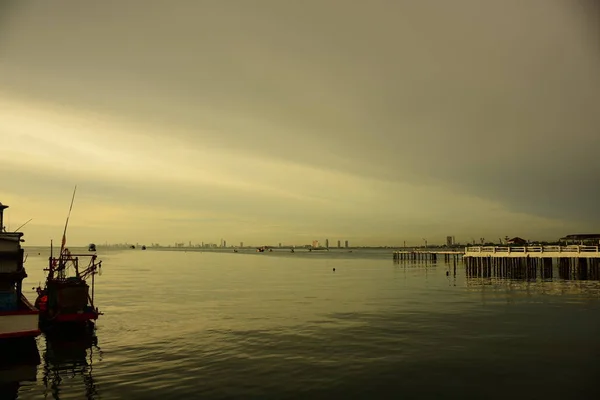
(379,122)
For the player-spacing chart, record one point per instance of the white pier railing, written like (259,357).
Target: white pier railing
(533,251)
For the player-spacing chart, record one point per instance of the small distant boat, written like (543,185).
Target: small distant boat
(18,317)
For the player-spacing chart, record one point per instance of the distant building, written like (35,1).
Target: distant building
(582,239)
(339,244)
(326,243)
(279,244)
(517,240)
(346,243)
(449,241)
(315,244)
(241,244)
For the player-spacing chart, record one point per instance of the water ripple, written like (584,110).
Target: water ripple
(227,326)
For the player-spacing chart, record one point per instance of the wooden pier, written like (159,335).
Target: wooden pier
(534,252)
(426,256)
(521,263)
(537,252)
(573,262)
(530,268)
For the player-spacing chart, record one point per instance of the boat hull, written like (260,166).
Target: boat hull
(68,318)
(65,303)
(20,323)
(61,321)
(78,317)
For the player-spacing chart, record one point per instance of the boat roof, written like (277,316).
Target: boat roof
(10,235)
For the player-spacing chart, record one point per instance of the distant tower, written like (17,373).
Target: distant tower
(279,244)
(339,244)
(190,244)
(449,241)
(346,243)
(224,243)
(326,243)
(241,244)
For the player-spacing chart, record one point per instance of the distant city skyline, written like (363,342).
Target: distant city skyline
(448,241)
(315,243)
(376,122)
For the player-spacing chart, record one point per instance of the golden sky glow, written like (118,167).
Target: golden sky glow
(266,121)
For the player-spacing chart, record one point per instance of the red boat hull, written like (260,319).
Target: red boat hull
(20,323)
(78,317)
(20,334)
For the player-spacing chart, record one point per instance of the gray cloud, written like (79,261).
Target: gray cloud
(496,100)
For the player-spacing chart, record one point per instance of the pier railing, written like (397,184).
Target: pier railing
(532,249)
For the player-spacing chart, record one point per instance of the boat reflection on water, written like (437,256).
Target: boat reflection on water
(68,366)
(19,361)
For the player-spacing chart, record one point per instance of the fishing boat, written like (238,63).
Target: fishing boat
(67,300)
(18,317)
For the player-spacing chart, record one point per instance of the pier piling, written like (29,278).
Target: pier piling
(424,256)
(522,263)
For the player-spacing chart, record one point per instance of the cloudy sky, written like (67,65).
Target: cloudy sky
(284,121)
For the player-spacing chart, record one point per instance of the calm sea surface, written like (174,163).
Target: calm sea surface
(210,325)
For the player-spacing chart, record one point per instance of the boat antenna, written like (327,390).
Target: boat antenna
(64,237)
(16,230)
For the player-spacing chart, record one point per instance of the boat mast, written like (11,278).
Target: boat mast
(64,237)
(62,261)
(93,275)
(51,261)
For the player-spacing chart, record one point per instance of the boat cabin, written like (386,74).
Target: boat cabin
(18,317)
(12,272)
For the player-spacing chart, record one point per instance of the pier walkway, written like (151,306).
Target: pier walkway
(534,252)
(582,262)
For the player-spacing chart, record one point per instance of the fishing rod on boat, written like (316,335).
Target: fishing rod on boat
(64,237)
(17,230)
